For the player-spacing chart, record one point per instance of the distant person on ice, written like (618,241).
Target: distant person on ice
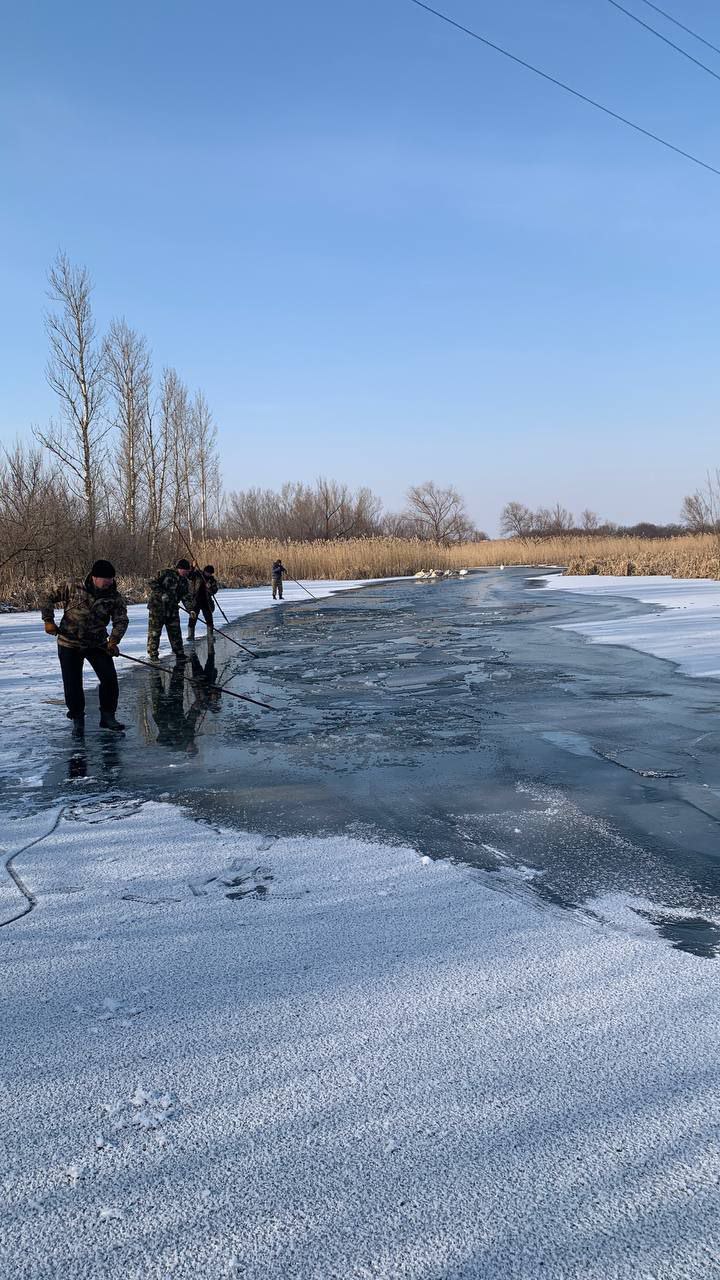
(168,589)
(203,589)
(88,607)
(278,570)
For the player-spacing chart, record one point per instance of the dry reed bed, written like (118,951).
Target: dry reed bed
(248,561)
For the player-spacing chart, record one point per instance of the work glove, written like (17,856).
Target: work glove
(51,629)
(112,648)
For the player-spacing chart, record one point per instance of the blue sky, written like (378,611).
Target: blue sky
(385,253)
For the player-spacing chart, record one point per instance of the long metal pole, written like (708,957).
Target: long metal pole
(299,584)
(218,631)
(244,697)
(194,560)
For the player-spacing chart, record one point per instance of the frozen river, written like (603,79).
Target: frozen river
(411,979)
(455,717)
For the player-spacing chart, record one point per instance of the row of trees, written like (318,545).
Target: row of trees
(527,525)
(127,459)
(329,510)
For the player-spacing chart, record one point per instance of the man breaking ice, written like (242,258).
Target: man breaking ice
(88,607)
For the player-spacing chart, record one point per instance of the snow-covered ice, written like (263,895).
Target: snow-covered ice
(384,1067)
(307,1058)
(685,631)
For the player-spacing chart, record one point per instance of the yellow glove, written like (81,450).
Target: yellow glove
(51,629)
(112,648)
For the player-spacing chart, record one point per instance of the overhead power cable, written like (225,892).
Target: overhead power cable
(695,35)
(560,84)
(653,31)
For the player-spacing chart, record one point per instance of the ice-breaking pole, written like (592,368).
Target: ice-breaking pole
(191,553)
(299,584)
(218,631)
(218,688)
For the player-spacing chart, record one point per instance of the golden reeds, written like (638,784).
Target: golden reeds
(247,561)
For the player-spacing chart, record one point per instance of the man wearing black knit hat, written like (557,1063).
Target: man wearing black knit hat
(88,608)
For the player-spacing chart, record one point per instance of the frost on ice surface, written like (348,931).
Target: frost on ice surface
(364,1078)
(145,1110)
(122,1010)
(686,631)
(108,1213)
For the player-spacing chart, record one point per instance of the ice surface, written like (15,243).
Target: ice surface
(30,683)
(687,631)
(381,1068)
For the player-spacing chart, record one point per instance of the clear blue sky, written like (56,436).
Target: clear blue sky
(385,253)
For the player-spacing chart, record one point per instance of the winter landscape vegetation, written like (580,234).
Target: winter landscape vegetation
(374,931)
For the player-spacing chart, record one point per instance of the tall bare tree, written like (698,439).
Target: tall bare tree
(517,521)
(129,377)
(76,373)
(157,430)
(696,512)
(205,462)
(439,514)
(589,521)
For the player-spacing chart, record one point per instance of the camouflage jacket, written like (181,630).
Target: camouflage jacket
(87,610)
(202,590)
(167,590)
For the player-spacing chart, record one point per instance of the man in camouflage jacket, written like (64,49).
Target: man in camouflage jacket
(203,589)
(168,590)
(88,607)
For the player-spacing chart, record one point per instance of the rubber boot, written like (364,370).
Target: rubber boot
(108,721)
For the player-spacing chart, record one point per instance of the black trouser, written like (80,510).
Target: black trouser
(71,665)
(206,612)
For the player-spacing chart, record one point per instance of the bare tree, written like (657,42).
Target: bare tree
(76,373)
(344,514)
(205,463)
(326,510)
(696,512)
(157,430)
(556,521)
(130,378)
(517,521)
(589,521)
(439,514)
(37,523)
(181,462)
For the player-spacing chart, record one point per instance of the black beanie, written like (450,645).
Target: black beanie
(209,568)
(102,569)
(183,564)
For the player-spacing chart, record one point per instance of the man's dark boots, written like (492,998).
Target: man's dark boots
(108,721)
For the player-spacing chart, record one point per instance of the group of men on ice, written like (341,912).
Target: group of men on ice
(91,605)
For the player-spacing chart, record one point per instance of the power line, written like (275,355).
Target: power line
(653,31)
(681,25)
(560,84)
